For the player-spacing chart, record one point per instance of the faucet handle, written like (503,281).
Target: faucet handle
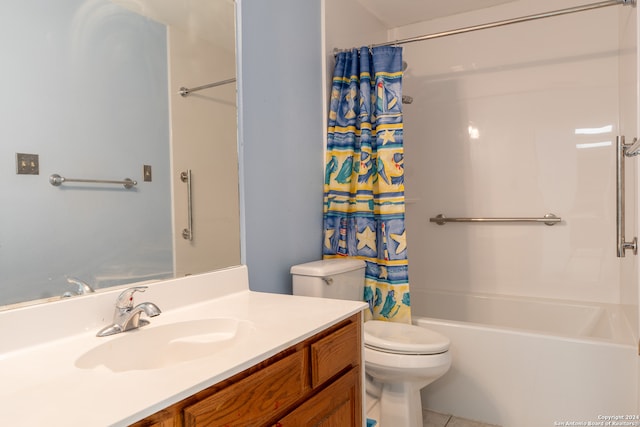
(125,299)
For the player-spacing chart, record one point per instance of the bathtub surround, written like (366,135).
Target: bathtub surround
(364,176)
(519,121)
(562,318)
(530,124)
(530,361)
(529,114)
(515,378)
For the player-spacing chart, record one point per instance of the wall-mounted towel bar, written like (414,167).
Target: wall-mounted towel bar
(186,91)
(57,180)
(548,219)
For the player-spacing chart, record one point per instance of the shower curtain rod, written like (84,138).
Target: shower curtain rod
(186,91)
(503,23)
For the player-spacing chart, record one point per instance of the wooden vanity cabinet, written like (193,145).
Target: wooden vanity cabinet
(314,383)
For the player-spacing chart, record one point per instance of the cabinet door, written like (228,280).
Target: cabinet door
(335,353)
(338,405)
(165,423)
(164,418)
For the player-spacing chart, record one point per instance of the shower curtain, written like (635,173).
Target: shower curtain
(364,176)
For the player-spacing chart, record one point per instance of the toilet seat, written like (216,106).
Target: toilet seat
(402,338)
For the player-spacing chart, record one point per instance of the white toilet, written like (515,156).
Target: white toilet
(400,359)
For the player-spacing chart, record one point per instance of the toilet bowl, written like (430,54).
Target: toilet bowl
(400,359)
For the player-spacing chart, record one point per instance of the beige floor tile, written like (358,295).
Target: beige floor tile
(434,419)
(461,422)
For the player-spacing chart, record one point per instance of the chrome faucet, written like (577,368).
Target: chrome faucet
(82,288)
(126,316)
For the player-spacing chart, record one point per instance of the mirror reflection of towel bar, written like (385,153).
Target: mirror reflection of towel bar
(57,180)
(187,233)
(184,91)
(548,219)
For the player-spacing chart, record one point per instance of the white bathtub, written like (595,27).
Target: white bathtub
(528,362)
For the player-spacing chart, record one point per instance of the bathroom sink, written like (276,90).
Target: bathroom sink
(153,347)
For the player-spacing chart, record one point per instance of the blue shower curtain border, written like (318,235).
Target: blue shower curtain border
(372,215)
(366,77)
(391,264)
(342,147)
(363,215)
(387,282)
(364,193)
(359,49)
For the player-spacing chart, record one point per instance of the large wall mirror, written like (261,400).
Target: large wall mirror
(91,90)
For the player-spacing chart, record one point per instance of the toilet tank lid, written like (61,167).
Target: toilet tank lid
(327,267)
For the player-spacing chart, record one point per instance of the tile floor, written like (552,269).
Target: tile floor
(435,419)
(429,418)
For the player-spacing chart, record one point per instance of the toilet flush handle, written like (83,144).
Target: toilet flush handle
(328,280)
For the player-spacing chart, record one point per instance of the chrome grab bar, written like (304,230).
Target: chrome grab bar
(187,233)
(57,180)
(548,219)
(623,150)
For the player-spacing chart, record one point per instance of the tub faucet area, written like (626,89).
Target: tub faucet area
(126,316)
(82,288)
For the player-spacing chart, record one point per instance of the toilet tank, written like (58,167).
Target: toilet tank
(330,278)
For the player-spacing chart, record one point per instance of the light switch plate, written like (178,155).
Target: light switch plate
(146,173)
(27,164)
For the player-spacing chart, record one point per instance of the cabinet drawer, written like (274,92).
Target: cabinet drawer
(335,353)
(255,399)
(337,405)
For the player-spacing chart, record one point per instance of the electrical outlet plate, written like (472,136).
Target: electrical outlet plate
(27,164)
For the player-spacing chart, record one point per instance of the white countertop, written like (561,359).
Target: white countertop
(40,383)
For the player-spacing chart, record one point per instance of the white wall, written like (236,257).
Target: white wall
(630,37)
(526,89)
(628,90)
(342,31)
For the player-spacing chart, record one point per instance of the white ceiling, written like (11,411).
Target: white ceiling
(398,13)
(212,20)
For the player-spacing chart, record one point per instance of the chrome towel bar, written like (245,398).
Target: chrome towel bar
(57,180)
(548,219)
(184,91)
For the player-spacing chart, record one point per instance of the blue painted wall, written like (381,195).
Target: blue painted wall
(281,137)
(86,90)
